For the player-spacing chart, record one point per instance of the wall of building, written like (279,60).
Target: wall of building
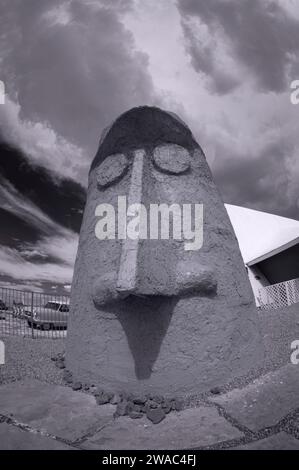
(257,281)
(281,267)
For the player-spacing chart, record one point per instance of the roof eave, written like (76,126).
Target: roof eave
(274,252)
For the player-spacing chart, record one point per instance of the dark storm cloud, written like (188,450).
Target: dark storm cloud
(39,221)
(248,182)
(204,60)
(257,34)
(72,64)
(15,230)
(254,45)
(62,200)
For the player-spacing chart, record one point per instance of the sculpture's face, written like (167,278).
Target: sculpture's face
(152,254)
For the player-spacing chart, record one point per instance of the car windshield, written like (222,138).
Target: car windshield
(52,305)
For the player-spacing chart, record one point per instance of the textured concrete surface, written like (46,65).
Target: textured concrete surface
(266,401)
(178,431)
(14,438)
(175,330)
(40,416)
(281,441)
(55,410)
(279,328)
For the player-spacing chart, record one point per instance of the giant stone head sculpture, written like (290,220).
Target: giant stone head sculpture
(160,300)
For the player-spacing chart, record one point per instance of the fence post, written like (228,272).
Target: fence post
(32,329)
(288,293)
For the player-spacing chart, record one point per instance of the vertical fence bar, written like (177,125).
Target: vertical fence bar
(32,307)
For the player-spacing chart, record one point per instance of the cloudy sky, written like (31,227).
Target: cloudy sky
(72,66)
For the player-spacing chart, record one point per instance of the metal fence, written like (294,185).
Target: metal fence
(33,314)
(279,295)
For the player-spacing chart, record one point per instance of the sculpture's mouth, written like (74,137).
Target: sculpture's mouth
(200,282)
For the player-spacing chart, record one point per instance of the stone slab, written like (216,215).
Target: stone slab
(55,409)
(189,428)
(265,401)
(13,438)
(280,441)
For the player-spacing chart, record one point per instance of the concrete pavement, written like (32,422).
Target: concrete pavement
(262,415)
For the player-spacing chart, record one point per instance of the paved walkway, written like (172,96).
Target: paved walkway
(263,415)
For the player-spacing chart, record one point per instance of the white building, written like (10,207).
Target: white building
(269,246)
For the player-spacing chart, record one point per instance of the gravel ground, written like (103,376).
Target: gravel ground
(31,358)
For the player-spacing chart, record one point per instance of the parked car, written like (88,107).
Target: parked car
(19,309)
(3,308)
(52,315)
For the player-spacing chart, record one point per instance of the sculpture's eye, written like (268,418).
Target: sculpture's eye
(171,158)
(112,169)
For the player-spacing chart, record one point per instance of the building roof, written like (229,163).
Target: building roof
(262,235)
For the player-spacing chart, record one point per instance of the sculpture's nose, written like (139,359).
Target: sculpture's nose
(145,267)
(127,273)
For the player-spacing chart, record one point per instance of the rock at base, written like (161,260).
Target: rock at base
(155,415)
(77,386)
